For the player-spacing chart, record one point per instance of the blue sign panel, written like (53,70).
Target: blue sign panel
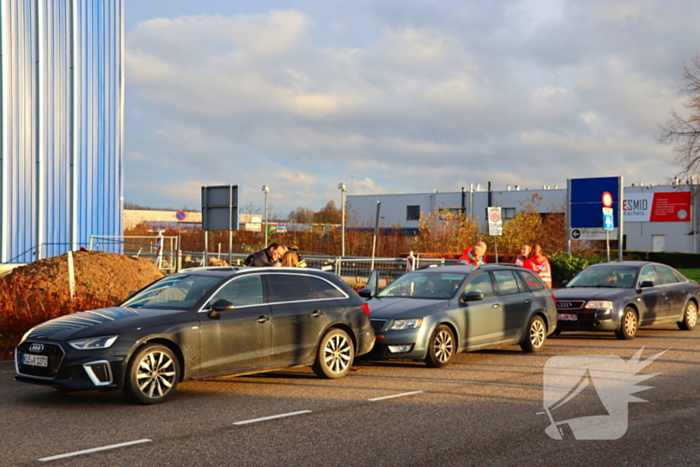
(608,222)
(586,202)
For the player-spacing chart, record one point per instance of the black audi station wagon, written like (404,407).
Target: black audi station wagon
(198,323)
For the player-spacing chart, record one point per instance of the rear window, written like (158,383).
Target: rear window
(289,288)
(532,282)
(507,283)
(323,289)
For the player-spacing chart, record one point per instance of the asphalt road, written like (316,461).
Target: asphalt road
(485,409)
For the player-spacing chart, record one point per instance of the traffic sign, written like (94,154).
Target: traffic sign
(495,221)
(608,222)
(607,199)
(180,215)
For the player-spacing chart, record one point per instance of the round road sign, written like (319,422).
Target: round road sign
(180,215)
(607,199)
(576,233)
(495,217)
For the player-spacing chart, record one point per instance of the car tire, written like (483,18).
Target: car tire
(535,335)
(441,348)
(152,375)
(628,325)
(690,317)
(335,355)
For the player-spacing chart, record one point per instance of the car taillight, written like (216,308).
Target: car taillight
(365,308)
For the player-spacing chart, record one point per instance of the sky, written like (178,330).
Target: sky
(397,96)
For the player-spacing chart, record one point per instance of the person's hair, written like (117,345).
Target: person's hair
(290,258)
(536,250)
(274,245)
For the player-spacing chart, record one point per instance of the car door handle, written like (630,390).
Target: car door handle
(263,319)
(316,313)
(496,305)
(528,300)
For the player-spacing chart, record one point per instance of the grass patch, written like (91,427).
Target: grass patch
(692,274)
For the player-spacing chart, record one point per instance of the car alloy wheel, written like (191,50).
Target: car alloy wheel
(629,324)
(441,347)
(690,317)
(153,374)
(536,335)
(335,355)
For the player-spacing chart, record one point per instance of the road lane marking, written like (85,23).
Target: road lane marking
(395,395)
(88,451)
(272,417)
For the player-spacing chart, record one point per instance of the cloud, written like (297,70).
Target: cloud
(421,96)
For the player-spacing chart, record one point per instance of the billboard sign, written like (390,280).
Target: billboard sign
(657,207)
(586,200)
(220,207)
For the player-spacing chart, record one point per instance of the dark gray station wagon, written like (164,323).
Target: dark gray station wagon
(202,323)
(431,314)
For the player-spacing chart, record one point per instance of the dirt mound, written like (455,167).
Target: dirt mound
(107,276)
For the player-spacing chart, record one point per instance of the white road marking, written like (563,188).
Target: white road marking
(87,451)
(395,395)
(272,417)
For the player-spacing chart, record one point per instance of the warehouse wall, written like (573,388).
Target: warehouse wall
(61,146)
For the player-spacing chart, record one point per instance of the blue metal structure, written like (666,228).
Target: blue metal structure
(61,125)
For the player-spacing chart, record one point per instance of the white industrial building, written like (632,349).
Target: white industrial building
(657,217)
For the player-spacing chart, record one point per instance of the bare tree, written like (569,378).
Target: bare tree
(302,215)
(684,132)
(250,208)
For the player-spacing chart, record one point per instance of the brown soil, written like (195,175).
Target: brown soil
(107,276)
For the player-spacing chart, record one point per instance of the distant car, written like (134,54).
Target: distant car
(622,296)
(432,314)
(201,323)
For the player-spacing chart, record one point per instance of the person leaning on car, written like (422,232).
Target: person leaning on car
(269,256)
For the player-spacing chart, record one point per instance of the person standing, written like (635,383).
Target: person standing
(269,256)
(523,256)
(473,256)
(539,264)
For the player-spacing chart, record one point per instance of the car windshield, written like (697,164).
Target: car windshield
(424,285)
(613,277)
(177,291)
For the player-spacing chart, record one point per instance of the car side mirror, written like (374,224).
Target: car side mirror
(646,284)
(218,306)
(563,283)
(472,296)
(365,293)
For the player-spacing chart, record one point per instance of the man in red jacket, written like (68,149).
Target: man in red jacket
(539,264)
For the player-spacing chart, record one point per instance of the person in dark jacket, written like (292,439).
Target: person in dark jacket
(270,256)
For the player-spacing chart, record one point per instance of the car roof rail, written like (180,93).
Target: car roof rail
(486,265)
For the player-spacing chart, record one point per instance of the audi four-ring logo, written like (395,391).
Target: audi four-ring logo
(36,348)
(563,304)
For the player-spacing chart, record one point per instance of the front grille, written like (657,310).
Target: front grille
(53,351)
(378,324)
(570,304)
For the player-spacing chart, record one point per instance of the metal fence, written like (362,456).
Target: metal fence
(165,252)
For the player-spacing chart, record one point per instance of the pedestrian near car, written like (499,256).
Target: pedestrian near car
(539,264)
(473,256)
(269,256)
(290,259)
(523,256)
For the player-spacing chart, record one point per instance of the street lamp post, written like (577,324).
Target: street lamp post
(342,189)
(266,190)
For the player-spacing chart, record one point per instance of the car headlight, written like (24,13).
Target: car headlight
(597,304)
(102,342)
(401,324)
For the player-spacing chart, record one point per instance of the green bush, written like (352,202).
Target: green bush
(565,267)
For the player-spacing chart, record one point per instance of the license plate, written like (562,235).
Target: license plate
(566,317)
(35,360)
